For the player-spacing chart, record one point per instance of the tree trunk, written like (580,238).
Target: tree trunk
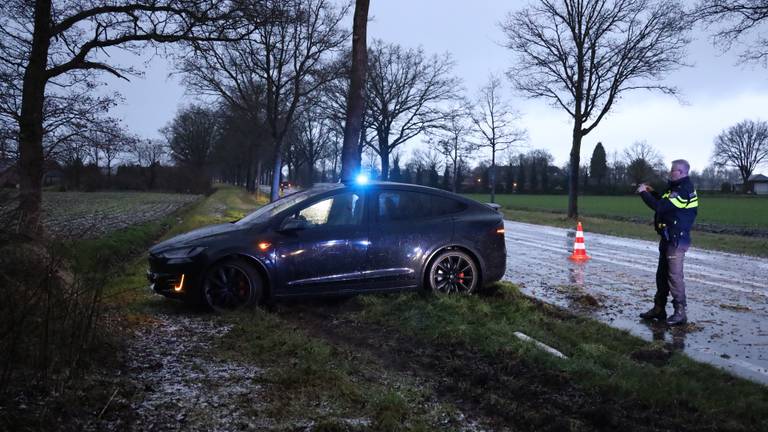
(350,162)
(492,174)
(335,167)
(151,179)
(573,179)
(249,178)
(455,161)
(384,154)
(31,156)
(277,166)
(745,174)
(455,175)
(257,180)
(109,173)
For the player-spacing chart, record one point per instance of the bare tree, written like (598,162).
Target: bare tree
(743,146)
(332,101)
(404,91)
(494,122)
(288,56)
(582,55)
(451,138)
(426,163)
(644,163)
(225,71)
(70,109)
(149,154)
(314,139)
(192,135)
(643,150)
(617,170)
(353,126)
(109,140)
(735,20)
(68,42)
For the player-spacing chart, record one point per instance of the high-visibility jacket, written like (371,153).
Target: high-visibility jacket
(675,210)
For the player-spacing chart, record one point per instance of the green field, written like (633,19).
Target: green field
(737,211)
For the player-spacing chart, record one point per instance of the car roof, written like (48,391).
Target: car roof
(323,187)
(415,188)
(320,188)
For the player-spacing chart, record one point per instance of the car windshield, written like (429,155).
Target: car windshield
(266,212)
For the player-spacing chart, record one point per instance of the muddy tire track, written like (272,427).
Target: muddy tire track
(500,390)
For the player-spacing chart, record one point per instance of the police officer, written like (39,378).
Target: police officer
(675,212)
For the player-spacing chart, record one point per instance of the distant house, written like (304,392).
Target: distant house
(9,175)
(758,184)
(53,173)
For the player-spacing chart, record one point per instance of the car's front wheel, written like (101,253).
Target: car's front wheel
(452,272)
(232,284)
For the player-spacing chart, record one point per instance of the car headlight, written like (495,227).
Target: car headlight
(187,252)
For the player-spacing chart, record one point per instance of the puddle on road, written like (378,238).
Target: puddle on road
(727,307)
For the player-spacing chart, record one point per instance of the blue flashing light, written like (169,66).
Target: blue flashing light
(361,179)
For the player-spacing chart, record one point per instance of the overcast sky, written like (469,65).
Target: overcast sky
(716,91)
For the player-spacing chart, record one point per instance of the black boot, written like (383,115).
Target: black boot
(678,318)
(658,312)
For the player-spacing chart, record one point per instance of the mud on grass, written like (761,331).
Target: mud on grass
(501,389)
(313,382)
(611,379)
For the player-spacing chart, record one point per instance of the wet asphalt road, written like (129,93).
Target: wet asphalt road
(727,293)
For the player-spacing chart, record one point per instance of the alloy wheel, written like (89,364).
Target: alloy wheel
(453,272)
(229,286)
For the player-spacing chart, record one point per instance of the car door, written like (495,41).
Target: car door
(323,245)
(404,228)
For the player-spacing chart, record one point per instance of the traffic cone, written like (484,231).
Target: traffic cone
(579,248)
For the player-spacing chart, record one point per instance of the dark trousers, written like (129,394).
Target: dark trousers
(669,274)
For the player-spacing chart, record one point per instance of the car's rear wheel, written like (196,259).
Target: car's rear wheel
(453,272)
(231,285)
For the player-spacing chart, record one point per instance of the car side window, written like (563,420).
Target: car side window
(341,209)
(444,206)
(403,205)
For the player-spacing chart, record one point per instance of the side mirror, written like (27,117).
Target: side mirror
(293,224)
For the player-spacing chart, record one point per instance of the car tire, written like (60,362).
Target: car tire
(230,285)
(453,272)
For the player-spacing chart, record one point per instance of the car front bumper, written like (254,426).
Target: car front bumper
(178,280)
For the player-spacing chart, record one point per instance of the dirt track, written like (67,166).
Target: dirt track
(727,293)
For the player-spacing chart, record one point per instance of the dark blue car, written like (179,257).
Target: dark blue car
(336,239)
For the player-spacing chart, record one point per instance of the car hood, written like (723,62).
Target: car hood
(196,237)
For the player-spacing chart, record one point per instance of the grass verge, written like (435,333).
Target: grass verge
(736,211)
(631,373)
(337,388)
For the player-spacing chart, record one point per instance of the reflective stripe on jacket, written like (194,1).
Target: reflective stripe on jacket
(675,210)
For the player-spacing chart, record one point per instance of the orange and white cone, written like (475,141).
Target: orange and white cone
(579,248)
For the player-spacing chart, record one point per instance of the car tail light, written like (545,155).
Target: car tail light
(500,230)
